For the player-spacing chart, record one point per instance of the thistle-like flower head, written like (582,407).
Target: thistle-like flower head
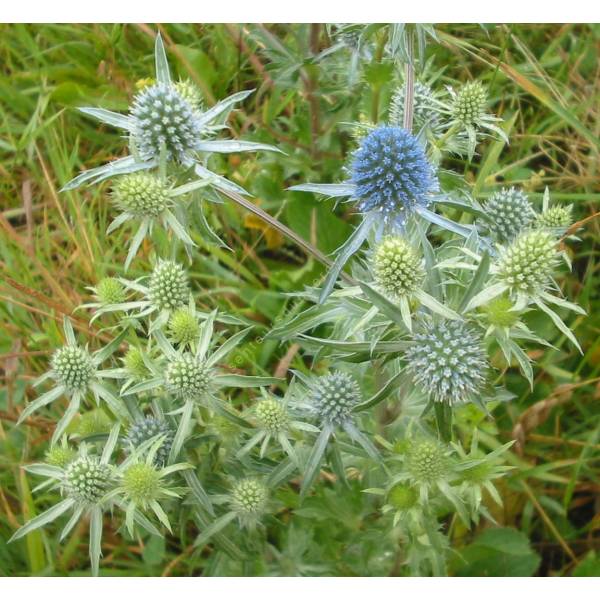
(163,118)
(169,287)
(391,173)
(183,326)
(190,92)
(133,363)
(424,107)
(87,479)
(426,461)
(334,396)
(527,264)
(110,291)
(141,194)
(73,367)
(448,361)
(469,103)
(187,377)
(498,312)
(141,483)
(271,415)
(60,455)
(94,422)
(397,267)
(402,496)
(556,217)
(249,498)
(508,212)
(145,429)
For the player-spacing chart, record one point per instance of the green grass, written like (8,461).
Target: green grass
(543,79)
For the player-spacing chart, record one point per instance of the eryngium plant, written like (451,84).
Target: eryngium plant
(163,429)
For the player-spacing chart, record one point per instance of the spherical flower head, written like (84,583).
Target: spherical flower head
(403,496)
(249,498)
(169,286)
(334,396)
(508,213)
(498,312)
(183,326)
(391,173)
(141,194)
(448,361)
(527,264)
(60,456)
(134,364)
(397,267)
(469,103)
(187,377)
(141,483)
(87,479)
(271,415)
(73,367)
(94,422)
(145,429)
(424,107)
(190,92)
(426,461)
(110,291)
(163,118)
(556,217)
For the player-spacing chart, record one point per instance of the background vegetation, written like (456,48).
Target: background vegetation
(544,80)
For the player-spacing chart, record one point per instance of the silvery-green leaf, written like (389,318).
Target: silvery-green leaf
(362,439)
(435,306)
(44,399)
(160,59)
(560,324)
(161,515)
(110,348)
(444,223)
(214,528)
(476,282)
(117,222)
(95,539)
(405,312)
(45,470)
(222,106)
(333,190)
(227,347)
(228,146)
(178,228)
(198,491)
(381,395)
(244,381)
(46,517)
(187,188)
(67,417)
(206,335)
(110,444)
(71,522)
(384,304)
(136,242)
(249,445)
(115,404)
(109,117)
(485,296)
(182,431)
(127,164)
(218,181)
(562,302)
(313,463)
(144,386)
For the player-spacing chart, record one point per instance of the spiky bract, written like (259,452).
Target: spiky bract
(163,118)
(397,267)
(141,194)
(87,479)
(526,265)
(391,173)
(169,286)
(508,212)
(448,361)
(73,367)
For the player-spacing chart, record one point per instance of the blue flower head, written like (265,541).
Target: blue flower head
(392,174)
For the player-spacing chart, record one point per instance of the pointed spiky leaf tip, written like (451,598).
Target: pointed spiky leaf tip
(508,212)
(147,428)
(469,103)
(187,377)
(424,107)
(163,118)
(60,456)
(87,479)
(426,461)
(73,367)
(249,498)
(556,217)
(448,361)
(391,173)
(141,194)
(183,326)
(527,264)
(271,415)
(169,286)
(397,267)
(334,396)
(141,483)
